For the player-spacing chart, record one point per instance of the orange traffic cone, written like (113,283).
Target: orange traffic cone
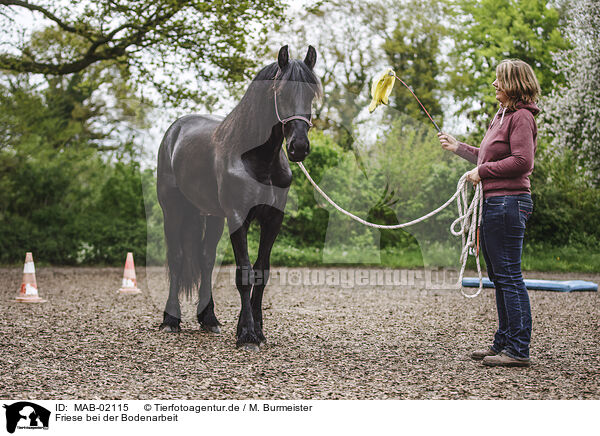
(29,292)
(129,285)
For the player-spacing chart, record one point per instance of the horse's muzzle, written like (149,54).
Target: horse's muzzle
(297,152)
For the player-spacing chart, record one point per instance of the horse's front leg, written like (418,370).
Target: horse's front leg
(270,224)
(244,277)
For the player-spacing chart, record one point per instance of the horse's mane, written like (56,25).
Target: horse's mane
(251,121)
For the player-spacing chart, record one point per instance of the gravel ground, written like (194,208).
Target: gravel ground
(325,342)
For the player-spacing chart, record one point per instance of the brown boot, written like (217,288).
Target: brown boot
(480,354)
(502,359)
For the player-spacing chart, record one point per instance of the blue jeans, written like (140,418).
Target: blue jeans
(502,231)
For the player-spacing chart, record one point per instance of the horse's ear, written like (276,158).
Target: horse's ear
(311,57)
(283,57)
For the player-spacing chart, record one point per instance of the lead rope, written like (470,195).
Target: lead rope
(469,218)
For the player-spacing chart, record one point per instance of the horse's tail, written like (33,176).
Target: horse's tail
(184,226)
(184,254)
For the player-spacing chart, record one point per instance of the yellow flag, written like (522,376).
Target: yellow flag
(382,88)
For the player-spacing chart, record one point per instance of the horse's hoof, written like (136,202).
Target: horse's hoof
(261,339)
(215,329)
(249,347)
(170,324)
(247,339)
(167,328)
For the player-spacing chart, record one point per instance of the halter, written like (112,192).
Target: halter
(293,117)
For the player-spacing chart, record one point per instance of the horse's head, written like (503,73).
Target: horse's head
(294,89)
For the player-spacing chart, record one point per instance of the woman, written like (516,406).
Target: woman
(504,162)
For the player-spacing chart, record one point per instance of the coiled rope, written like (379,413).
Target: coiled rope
(469,218)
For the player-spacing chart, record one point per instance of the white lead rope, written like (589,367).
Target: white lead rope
(469,217)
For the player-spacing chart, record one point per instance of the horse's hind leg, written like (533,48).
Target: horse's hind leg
(174,217)
(206,311)
(270,220)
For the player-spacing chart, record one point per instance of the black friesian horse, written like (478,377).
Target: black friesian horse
(211,168)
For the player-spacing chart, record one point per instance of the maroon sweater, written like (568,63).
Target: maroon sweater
(505,156)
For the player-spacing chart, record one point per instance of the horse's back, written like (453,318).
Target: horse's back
(186,162)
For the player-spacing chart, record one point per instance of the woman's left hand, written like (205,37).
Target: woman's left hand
(473,176)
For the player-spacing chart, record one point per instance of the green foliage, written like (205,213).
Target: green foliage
(36,209)
(413,49)
(572,111)
(174,37)
(305,222)
(156,247)
(115,222)
(488,31)
(59,196)
(565,258)
(566,209)
(70,208)
(422,175)
(69,112)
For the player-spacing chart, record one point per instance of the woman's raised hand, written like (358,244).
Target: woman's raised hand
(448,142)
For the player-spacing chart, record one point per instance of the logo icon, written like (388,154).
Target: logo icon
(26,415)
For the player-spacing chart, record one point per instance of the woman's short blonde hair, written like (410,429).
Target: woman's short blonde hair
(517,79)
